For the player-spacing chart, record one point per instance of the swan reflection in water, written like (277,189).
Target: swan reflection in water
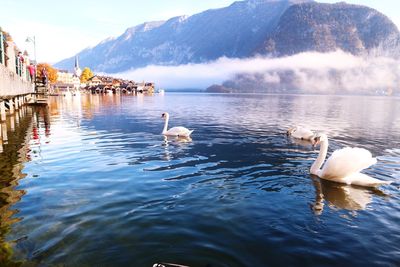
(178,141)
(341,196)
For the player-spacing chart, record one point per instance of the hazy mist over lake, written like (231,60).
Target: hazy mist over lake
(313,72)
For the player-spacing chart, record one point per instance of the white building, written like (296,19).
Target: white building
(77,69)
(66,79)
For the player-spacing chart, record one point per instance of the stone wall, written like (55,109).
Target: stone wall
(11,84)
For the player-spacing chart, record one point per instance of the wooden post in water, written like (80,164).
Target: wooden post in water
(2,111)
(1,139)
(1,144)
(17,116)
(23,111)
(16,103)
(4,132)
(11,106)
(12,123)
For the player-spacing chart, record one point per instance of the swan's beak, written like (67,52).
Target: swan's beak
(315,141)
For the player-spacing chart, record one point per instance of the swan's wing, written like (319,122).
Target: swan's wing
(179,131)
(301,132)
(347,161)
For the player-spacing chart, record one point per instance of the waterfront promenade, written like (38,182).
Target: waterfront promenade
(16,86)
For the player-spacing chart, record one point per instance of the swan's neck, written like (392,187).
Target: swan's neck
(165,125)
(315,168)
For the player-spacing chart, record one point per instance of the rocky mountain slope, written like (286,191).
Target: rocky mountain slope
(327,27)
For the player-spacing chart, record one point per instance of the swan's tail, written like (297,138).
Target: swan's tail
(365,180)
(186,134)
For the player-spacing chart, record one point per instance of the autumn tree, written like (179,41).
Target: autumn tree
(86,75)
(52,73)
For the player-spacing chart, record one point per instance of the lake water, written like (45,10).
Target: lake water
(90,181)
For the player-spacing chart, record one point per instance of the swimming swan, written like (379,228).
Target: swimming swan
(300,133)
(344,165)
(175,131)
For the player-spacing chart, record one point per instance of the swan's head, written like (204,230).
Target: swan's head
(319,138)
(165,115)
(291,130)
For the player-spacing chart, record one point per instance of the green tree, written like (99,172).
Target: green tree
(86,75)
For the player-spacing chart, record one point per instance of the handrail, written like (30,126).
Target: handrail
(2,48)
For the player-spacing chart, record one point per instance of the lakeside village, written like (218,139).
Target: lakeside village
(20,75)
(66,82)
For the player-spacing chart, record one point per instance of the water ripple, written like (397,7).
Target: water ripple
(112,191)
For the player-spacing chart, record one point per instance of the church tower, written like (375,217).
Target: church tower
(77,70)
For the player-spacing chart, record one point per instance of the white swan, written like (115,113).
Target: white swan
(175,131)
(344,165)
(300,133)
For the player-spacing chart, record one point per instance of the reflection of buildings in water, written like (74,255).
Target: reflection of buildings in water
(84,105)
(15,153)
(41,120)
(140,100)
(54,108)
(21,133)
(341,196)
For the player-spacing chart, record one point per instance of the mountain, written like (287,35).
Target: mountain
(234,31)
(245,29)
(327,27)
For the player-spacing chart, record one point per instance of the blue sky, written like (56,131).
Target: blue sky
(63,28)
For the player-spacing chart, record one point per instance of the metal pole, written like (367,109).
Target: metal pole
(34,48)
(34,51)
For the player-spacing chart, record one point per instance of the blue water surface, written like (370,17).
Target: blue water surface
(90,181)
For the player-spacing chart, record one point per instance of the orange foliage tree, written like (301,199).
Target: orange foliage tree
(52,73)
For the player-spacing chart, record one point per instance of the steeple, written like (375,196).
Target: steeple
(77,70)
(76,62)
